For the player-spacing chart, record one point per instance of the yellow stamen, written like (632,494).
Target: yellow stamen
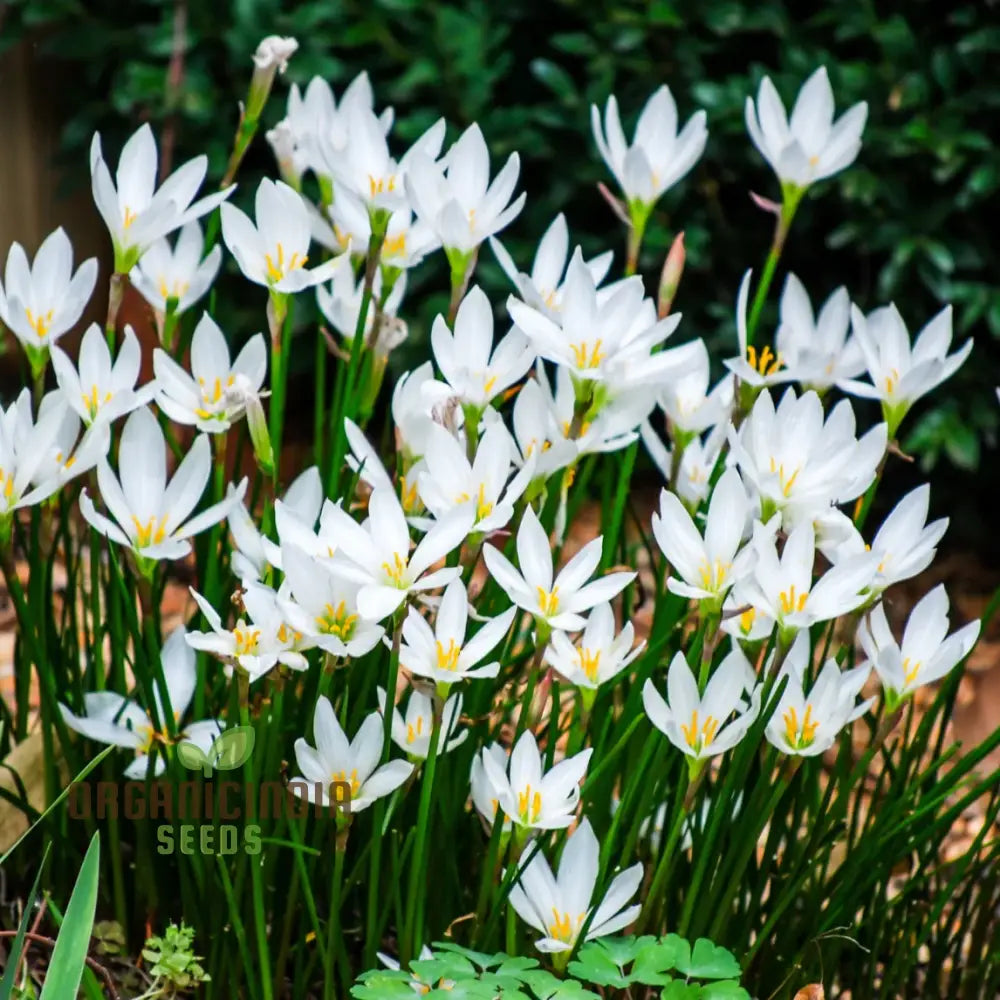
(785,482)
(336,621)
(341,776)
(128,218)
(548,601)
(747,619)
(586,356)
(790,602)
(800,736)
(394,246)
(408,496)
(562,927)
(698,738)
(713,577)
(40,323)
(447,658)
(891,381)
(153,532)
(277,268)
(396,573)
(590,662)
(529,805)
(768,363)
(412,732)
(247,641)
(910,672)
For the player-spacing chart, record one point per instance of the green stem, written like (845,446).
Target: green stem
(333,921)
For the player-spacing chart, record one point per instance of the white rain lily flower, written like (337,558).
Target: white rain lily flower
(753,368)
(741,618)
(816,349)
(537,433)
(324,606)
(340,303)
(414,398)
(475,371)
(451,481)
(68,455)
(316,113)
(558,905)
(598,656)
(900,374)
(689,404)
(659,156)
(704,568)
(136,212)
(705,725)
(535,799)
(485,795)
(355,762)
(905,544)
(808,724)
(602,338)
(148,515)
(111,718)
(97,388)
(443,654)
(274,251)
(926,652)
(177,274)
(214,396)
(412,731)
(256,645)
(364,166)
(377,554)
(26,446)
(254,552)
(543,288)
(782,586)
(455,198)
(809,145)
(554,603)
(802,461)
(407,241)
(40,301)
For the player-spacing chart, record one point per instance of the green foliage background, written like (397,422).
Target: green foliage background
(912,221)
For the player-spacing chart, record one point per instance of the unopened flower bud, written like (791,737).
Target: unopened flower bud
(670,277)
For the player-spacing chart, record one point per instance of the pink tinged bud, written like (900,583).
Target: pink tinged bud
(670,277)
(765,204)
(617,205)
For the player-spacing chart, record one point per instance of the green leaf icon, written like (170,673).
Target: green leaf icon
(233,748)
(193,758)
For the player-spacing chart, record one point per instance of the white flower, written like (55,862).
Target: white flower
(334,759)
(414,398)
(686,399)
(607,337)
(810,145)
(412,732)
(364,166)
(699,725)
(213,397)
(543,288)
(273,52)
(926,653)
(324,606)
(40,301)
(68,455)
(101,390)
(363,459)
(559,905)
(782,586)
(340,304)
(275,251)
(900,374)
(905,544)
(455,197)
(537,433)
(704,568)
(150,516)
(557,603)
(476,371)
(752,368)
(801,461)
(377,555)
(659,156)
(111,718)
(179,273)
(809,724)
(485,795)
(451,481)
(138,214)
(532,799)
(817,349)
(25,448)
(254,552)
(442,653)
(257,645)
(599,655)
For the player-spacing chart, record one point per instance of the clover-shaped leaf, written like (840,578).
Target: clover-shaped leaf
(597,964)
(654,958)
(724,989)
(709,961)
(677,989)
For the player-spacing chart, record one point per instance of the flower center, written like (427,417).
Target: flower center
(590,662)
(278,267)
(791,602)
(396,572)
(529,805)
(176,290)
(548,601)
(697,738)
(337,621)
(408,495)
(382,185)
(128,218)
(713,577)
(800,736)
(891,381)
(768,363)
(341,777)
(92,402)
(414,729)
(562,927)
(447,658)
(910,672)
(153,532)
(785,482)
(40,323)
(747,619)
(586,355)
(8,485)
(287,634)
(247,641)
(394,246)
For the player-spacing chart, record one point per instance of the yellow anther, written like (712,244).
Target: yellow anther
(341,777)
(747,619)
(786,482)
(247,641)
(791,602)
(800,736)
(128,218)
(548,601)
(768,363)
(394,246)
(562,926)
(336,621)
(396,573)
(713,577)
(529,805)
(587,356)
(699,737)
(413,731)
(447,656)
(590,663)
(910,672)
(277,267)
(408,496)
(40,323)
(153,532)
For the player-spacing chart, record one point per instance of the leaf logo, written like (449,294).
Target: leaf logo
(230,750)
